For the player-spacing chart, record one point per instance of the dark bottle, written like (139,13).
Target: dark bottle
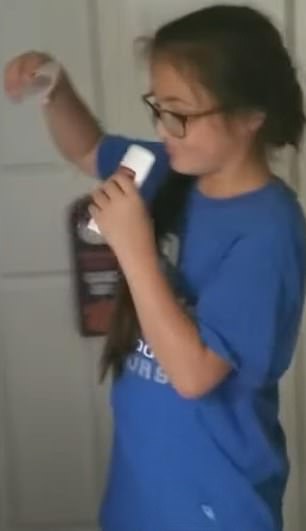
(95,270)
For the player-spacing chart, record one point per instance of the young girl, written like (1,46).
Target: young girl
(213,253)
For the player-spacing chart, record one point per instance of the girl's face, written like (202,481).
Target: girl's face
(209,142)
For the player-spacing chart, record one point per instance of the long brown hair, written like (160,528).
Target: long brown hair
(166,212)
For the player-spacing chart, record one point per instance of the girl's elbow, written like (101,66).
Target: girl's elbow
(192,390)
(196,387)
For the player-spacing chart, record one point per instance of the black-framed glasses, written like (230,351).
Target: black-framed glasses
(175,123)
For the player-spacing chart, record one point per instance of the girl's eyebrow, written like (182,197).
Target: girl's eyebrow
(173,99)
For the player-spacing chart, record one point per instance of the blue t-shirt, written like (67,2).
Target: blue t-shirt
(219,462)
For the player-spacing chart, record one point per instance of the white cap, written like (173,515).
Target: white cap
(141,161)
(45,79)
(93,226)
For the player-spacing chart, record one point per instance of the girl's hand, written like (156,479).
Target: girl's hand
(19,72)
(122,217)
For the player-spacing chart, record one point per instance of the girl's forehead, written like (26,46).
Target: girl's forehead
(172,83)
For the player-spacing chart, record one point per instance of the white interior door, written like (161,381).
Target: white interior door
(54,421)
(54,424)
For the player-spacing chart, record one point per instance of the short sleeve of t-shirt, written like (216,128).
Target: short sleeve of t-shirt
(112,150)
(250,312)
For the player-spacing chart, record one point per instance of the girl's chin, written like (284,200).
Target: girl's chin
(180,167)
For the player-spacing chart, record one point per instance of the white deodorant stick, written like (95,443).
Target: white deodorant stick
(138,159)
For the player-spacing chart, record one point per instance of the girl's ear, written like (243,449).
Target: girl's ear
(247,124)
(255,121)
